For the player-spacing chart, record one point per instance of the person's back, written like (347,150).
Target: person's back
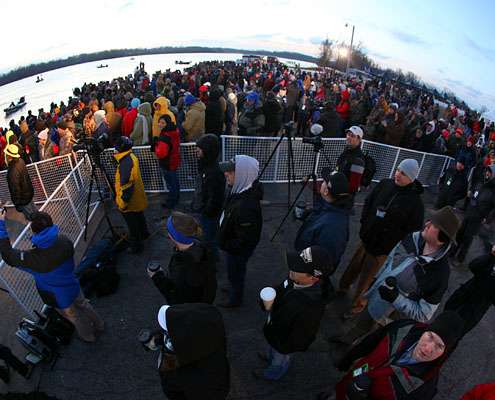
(20,186)
(214,114)
(194,123)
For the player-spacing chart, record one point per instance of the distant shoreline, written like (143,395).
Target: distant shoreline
(40,68)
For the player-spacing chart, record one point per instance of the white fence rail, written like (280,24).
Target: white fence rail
(62,185)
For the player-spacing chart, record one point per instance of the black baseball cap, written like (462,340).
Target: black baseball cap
(313,260)
(337,182)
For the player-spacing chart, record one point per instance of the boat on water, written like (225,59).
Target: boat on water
(102,66)
(39,79)
(180,62)
(132,58)
(14,107)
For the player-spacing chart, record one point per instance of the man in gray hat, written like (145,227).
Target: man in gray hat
(392,210)
(413,280)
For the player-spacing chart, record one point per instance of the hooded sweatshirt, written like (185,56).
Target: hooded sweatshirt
(163,102)
(114,119)
(198,337)
(246,172)
(141,133)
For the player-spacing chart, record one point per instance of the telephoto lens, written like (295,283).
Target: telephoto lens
(154,266)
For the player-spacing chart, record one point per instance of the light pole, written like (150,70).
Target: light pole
(349,54)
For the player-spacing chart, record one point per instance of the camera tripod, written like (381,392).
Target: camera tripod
(95,162)
(317,147)
(287,134)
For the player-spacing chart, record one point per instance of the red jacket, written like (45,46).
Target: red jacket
(167,149)
(390,381)
(343,106)
(128,122)
(484,391)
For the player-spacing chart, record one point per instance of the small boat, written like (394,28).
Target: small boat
(102,66)
(132,58)
(14,107)
(180,62)
(39,79)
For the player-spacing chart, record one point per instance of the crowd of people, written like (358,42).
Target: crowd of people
(397,338)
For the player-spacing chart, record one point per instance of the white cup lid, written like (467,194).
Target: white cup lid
(268,294)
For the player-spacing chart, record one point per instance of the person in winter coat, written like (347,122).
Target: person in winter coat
(293,94)
(210,188)
(400,361)
(468,154)
(484,391)
(193,363)
(453,185)
(274,114)
(113,118)
(332,123)
(231,115)
(352,162)
(141,132)
(214,114)
(167,149)
(160,105)
(296,313)
(413,279)
(240,222)
(129,119)
(480,210)
(343,107)
(51,263)
(252,120)
(20,186)
(129,193)
(191,272)
(194,122)
(328,224)
(29,143)
(395,130)
(101,128)
(393,209)
(474,297)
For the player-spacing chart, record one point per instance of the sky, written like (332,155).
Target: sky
(447,43)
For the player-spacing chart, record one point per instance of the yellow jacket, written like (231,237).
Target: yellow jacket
(129,187)
(163,102)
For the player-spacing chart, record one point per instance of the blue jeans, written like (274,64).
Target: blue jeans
(236,271)
(173,187)
(279,364)
(210,229)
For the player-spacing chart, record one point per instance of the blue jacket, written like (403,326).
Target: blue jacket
(326,226)
(50,262)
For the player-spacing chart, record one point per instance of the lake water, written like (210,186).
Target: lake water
(58,84)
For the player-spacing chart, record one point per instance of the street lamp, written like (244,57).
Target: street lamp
(350,50)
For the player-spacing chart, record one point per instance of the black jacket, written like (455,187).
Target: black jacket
(210,186)
(474,297)
(273,115)
(214,115)
(333,126)
(453,187)
(240,230)
(295,318)
(482,202)
(192,276)
(404,214)
(197,333)
(20,186)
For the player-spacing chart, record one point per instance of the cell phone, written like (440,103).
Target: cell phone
(361,370)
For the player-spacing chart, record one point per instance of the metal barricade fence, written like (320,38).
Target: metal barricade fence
(45,175)
(63,185)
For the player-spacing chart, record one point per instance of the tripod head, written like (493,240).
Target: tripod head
(316,141)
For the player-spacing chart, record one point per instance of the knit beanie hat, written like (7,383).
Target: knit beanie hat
(135,102)
(410,167)
(189,99)
(449,326)
(41,220)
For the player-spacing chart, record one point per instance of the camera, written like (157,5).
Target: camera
(94,146)
(316,141)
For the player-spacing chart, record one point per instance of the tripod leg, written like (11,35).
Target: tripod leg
(291,207)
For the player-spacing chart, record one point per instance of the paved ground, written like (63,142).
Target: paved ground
(117,368)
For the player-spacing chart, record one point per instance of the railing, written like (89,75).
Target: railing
(62,185)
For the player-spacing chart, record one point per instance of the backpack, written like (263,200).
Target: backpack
(369,170)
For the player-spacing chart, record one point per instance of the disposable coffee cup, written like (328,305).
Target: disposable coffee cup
(268,295)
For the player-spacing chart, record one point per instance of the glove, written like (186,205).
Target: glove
(389,291)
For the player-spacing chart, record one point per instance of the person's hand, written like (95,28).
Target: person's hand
(389,291)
